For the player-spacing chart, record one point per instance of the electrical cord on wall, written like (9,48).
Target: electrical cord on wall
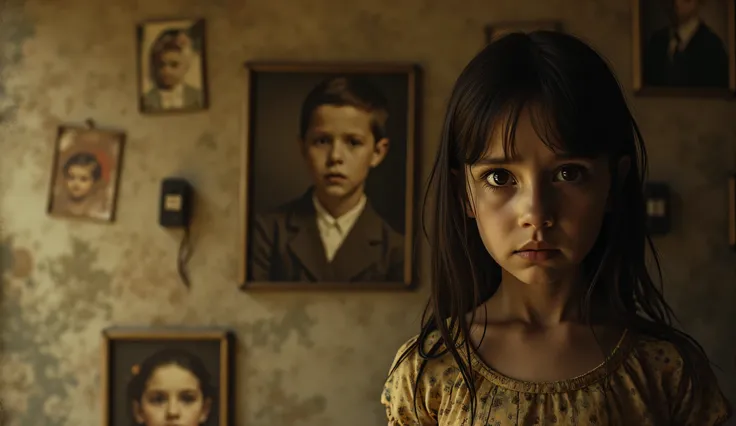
(185,253)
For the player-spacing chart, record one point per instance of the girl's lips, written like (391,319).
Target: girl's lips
(538,255)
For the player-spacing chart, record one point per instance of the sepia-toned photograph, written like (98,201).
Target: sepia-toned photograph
(85,173)
(494,31)
(155,377)
(171,66)
(328,187)
(684,47)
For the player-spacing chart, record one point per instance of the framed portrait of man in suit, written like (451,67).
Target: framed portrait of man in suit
(328,176)
(684,47)
(171,66)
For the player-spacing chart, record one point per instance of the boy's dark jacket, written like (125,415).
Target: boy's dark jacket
(286,246)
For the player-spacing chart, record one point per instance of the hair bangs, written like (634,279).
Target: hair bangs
(566,114)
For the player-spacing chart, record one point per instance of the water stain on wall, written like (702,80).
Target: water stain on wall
(287,407)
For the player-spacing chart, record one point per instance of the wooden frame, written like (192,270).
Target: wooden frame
(185,39)
(296,80)
(641,60)
(500,28)
(85,173)
(732,211)
(150,341)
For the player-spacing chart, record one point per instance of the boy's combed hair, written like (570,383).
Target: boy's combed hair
(577,107)
(84,159)
(352,91)
(173,40)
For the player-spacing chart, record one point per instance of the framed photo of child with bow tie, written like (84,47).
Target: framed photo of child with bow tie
(684,47)
(328,184)
(171,66)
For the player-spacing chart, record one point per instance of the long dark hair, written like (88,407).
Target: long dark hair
(579,107)
(170,356)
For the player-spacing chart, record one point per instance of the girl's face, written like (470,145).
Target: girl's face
(539,213)
(172,397)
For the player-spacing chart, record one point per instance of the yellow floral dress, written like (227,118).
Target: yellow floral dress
(643,373)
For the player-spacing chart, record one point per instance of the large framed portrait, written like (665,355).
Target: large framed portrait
(499,29)
(684,47)
(85,173)
(171,66)
(160,376)
(328,184)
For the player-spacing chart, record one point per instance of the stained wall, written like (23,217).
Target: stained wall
(303,358)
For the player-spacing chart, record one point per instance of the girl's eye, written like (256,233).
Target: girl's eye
(499,178)
(570,173)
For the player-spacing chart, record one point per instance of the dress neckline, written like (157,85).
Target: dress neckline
(605,368)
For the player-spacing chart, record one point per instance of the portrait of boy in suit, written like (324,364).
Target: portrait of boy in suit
(331,233)
(172,74)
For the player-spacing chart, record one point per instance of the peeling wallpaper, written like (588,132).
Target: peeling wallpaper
(302,358)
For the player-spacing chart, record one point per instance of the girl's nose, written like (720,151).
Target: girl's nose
(537,208)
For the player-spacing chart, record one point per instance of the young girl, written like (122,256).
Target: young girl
(171,387)
(542,309)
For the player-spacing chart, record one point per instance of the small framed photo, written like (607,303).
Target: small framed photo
(732,211)
(85,173)
(328,191)
(494,31)
(167,376)
(684,47)
(172,66)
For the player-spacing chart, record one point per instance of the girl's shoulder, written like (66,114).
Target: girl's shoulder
(684,377)
(667,358)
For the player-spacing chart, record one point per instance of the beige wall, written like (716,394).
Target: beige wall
(303,359)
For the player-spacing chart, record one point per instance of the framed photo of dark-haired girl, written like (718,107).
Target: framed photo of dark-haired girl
(328,183)
(85,173)
(684,47)
(171,66)
(157,377)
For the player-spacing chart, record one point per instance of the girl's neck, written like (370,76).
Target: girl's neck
(537,305)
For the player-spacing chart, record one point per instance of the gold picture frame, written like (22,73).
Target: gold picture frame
(131,356)
(85,173)
(278,220)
